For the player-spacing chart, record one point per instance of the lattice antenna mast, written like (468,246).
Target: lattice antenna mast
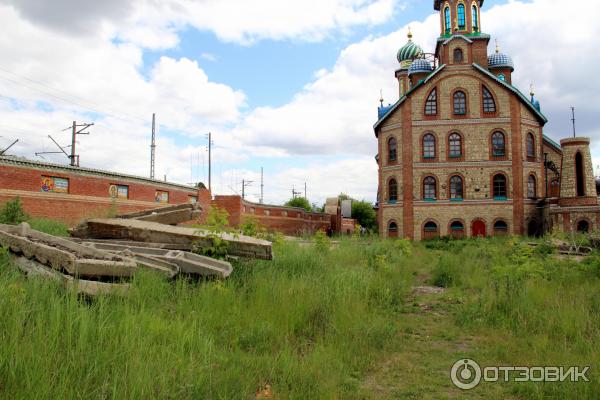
(153,148)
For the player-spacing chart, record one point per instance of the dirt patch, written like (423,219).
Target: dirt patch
(427,290)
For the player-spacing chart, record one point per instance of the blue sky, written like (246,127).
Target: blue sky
(289,86)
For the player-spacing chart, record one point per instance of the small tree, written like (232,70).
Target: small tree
(299,202)
(364,214)
(217,221)
(12,212)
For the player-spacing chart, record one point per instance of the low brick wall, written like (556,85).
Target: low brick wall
(84,193)
(287,220)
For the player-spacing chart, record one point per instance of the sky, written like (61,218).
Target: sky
(288,86)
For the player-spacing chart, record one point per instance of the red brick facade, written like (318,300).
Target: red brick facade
(287,220)
(87,192)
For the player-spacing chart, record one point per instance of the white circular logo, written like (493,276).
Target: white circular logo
(465,374)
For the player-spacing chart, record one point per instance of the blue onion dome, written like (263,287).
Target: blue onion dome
(409,51)
(420,65)
(500,60)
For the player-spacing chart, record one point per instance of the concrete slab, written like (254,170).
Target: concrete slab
(90,288)
(62,254)
(143,231)
(188,263)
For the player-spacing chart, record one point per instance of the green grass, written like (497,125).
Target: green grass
(318,322)
(49,226)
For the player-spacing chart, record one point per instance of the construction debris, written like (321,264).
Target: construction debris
(105,253)
(188,263)
(152,232)
(82,286)
(64,255)
(170,215)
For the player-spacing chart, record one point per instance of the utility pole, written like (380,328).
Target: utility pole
(573,119)
(305,191)
(3,152)
(295,193)
(74,157)
(74,133)
(153,148)
(244,184)
(210,143)
(262,186)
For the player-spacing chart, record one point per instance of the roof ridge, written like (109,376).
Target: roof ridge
(24,161)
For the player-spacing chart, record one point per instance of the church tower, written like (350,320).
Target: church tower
(461,19)
(577,184)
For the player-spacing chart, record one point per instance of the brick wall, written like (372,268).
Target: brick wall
(287,220)
(408,125)
(88,193)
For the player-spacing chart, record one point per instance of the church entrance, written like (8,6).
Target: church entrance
(478,228)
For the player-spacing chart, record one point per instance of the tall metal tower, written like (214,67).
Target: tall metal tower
(153,147)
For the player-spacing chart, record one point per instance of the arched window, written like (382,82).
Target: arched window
(502,77)
(500,228)
(393,190)
(555,188)
(498,144)
(430,230)
(454,146)
(460,11)
(475,18)
(583,226)
(429,188)
(456,187)
(499,187)
(429,146)
(460,103)
(531,187)
(392,150)
(458,56)
(489,105)
(457,229)
(447,20)
(579,178)
(530,145)
(431,103)
(393,230)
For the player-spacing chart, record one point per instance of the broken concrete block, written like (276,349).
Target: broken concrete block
(143,231)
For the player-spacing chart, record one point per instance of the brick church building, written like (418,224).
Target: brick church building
(462,152)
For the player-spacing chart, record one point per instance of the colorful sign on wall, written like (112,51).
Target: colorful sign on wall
(162,197)
(52,184)
(120,192)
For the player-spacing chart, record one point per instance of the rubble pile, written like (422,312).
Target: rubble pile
(104,254)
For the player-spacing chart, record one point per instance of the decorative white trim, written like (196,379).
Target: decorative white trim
(461,121)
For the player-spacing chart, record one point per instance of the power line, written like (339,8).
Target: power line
(245,184)
(67,100)
(74,133)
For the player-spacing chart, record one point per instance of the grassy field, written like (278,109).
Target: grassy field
(318,322)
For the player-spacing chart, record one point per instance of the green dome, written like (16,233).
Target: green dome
(409,51)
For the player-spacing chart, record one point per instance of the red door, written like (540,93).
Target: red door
(478,228)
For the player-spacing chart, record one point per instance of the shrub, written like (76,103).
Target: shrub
(299,202)
(217,222)
(251,227)
(217,219)
(322,242)
(12,212)
(445,273)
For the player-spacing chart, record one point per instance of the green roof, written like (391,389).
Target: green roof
(513,89)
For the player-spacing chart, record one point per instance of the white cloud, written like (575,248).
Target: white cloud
(331,116)
(152,23)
